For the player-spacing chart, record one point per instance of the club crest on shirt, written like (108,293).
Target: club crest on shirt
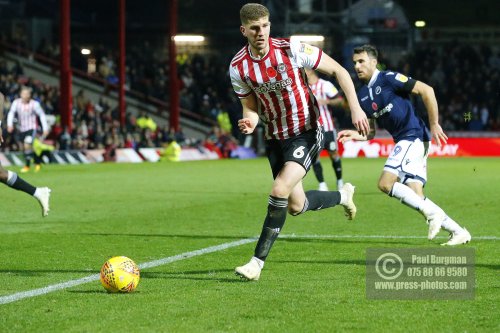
(281,67)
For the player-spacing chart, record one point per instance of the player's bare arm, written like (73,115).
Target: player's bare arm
(332,101)
(329,66)
(250,116)
(350,135)
(430,102)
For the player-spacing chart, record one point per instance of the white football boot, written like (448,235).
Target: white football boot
(250,271)
(42,194)
(461,237)
(323,187)
(435,221)
(349,206)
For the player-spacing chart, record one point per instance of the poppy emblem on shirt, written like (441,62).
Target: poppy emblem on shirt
(281,68)
(374,106)
(271,72)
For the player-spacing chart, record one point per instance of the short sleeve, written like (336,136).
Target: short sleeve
(240,87)
(400,82)
(306,55)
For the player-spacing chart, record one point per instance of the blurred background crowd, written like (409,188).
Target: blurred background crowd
(466,80)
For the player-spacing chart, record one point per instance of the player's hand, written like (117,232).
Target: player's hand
(1,137)
(346,135)
(10,129)
(360,121)
(246,126)
(44,135)
(438,135)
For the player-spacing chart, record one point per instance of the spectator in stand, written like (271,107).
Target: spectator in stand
(172,150)
(146,122)
(223,120)
(109,154)
(179,136)
(42,149)
(226,143)
(65,140)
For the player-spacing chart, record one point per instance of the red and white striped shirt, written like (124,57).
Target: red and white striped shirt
(26,115)
(324,89)
(286,104)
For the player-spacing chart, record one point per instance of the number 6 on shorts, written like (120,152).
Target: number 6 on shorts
(299,152)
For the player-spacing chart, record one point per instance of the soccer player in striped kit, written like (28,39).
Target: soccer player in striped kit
(326,94)
(268,76)
(27,111)
(11,179)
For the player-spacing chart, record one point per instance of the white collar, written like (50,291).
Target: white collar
(374,78)
(255,58)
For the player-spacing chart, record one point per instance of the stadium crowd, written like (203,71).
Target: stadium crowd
(96,123)
(204,85)
(466,81)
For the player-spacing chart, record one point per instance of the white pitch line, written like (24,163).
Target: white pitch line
(167,260)
(94,277)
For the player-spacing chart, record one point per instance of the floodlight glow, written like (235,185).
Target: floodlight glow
(189,38)
(309,38)
(85,51)
(419,24)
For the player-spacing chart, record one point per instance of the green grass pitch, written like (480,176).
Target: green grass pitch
(153,211)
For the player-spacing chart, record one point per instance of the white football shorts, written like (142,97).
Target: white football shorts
(408,161)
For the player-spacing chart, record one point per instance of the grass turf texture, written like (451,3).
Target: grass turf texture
(152,211)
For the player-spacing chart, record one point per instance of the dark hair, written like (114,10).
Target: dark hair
(253,12)
(369,49)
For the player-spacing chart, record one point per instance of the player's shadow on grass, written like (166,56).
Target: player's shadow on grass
(370,193)
(219,275)
(298,239)
(493,267)
(361,263)
(40,272)
(100,291)
(323,262)
(88,291)
(167,236)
